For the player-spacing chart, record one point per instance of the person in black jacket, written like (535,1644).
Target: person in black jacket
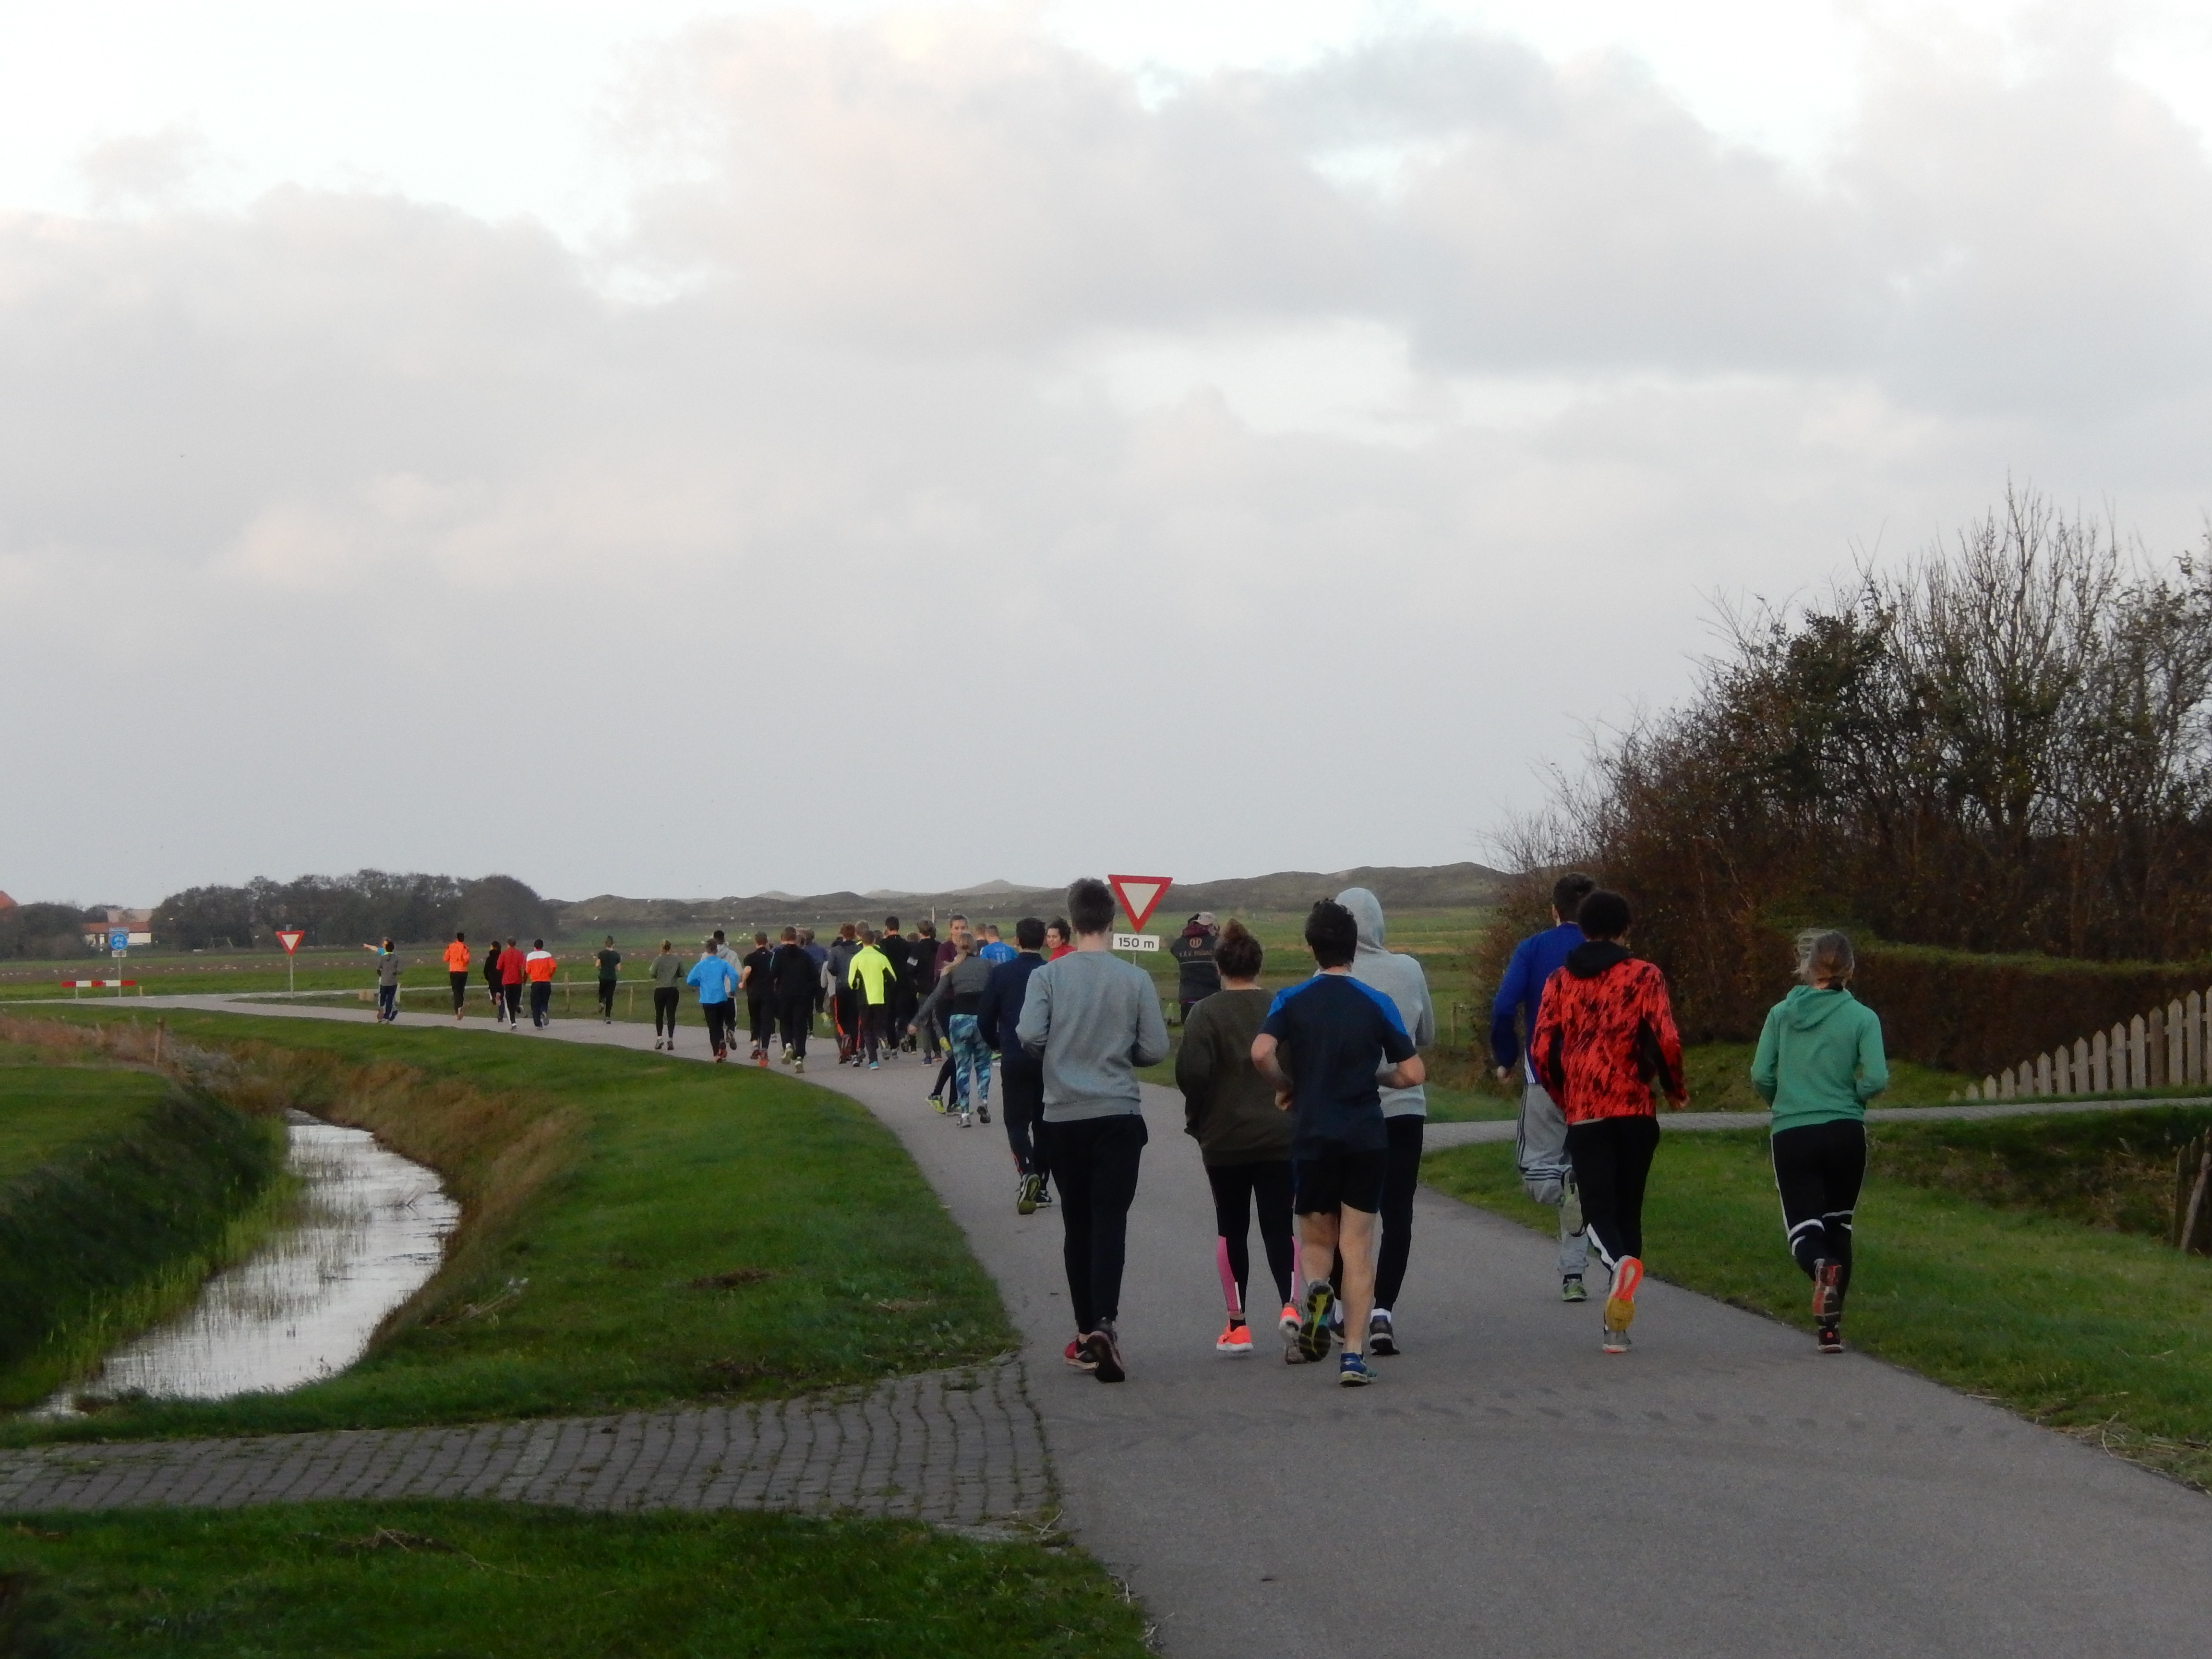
(796,979)
(900,953)
(1193,950)
(1021,1094)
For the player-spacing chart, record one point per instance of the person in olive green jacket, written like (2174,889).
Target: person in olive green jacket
(1819,1062)
(1243,1135)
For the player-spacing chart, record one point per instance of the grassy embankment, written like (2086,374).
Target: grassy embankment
(2022,1259)
(378,1582)
(635,1231)
(119,1192)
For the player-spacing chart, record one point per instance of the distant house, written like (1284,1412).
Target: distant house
(137,924)
(7,903)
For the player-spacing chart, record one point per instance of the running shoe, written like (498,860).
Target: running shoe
(1351,1372)
(967,1119)
(983,1111)
(1288,1324)
(1235,1339)
(1044,1194)
(875,1066)
(1571,1210)
(1827,1290)
(1313,1324)
(1105,1354)
(1621,1303)
(1077,1358)
(1571,1288)
(1382,1340)
(763,1059)
(1830,1337)
(1615,1341)
(937,1103)
(1025,1195)
(799,1066)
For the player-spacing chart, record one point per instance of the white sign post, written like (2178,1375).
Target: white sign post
(289,937)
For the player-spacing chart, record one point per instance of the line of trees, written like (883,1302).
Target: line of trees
(2003,746)
(44,931)
(364,907)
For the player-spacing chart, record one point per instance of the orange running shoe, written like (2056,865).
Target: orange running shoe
(1235,1339)
(1620,1305)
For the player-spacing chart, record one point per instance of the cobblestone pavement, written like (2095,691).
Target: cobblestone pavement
(958,1448)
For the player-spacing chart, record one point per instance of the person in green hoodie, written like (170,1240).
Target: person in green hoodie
(1819,1062)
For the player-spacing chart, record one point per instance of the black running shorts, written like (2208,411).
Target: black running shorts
(1339,1178)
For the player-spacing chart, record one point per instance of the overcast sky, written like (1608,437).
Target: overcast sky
(662,450)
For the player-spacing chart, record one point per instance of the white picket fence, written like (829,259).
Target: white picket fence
(2165,1048)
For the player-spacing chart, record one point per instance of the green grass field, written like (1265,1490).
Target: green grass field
(412,1581)
(637,1230)
(46,1109)
(2098,1332)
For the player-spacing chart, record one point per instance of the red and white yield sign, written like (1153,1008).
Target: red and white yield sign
(1141,895)
(289,937)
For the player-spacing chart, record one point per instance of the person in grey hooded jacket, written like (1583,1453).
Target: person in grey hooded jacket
(1404,1111)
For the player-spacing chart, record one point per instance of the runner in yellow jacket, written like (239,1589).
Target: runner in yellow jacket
(871,973)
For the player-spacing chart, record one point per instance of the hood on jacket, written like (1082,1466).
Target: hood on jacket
(1366,911)
(1593,957)
(1808,1007)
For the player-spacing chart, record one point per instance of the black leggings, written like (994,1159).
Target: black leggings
(1611,1158)
(721,1019)
(666,998)
(1236,1188)
(460,989)
(513,1003)
(1818,1170)
(1398,1185)
(607,997)
(1094,1162)
(762,1012)
(797,1021)
(1021,1104)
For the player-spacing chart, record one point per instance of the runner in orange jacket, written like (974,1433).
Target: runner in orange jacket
(457,970)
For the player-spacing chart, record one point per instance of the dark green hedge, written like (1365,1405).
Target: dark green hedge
(110,1213)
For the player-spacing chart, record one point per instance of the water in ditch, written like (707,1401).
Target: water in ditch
(370,1229)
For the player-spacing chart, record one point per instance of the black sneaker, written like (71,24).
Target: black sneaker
(983,1110)
(1043,1193)
(1104,1354)
(1380,1339)
(1830,1337)
(1313,1323)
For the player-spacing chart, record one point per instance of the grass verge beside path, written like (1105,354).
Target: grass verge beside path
(637,1230)
(380,1582)
(2102,1334)
(119,1192)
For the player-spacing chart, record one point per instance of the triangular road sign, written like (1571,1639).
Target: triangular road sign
(289,937)
(1141,895)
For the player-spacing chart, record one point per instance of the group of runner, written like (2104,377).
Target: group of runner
(1307,1103)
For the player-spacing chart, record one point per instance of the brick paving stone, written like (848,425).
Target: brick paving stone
(962,1446)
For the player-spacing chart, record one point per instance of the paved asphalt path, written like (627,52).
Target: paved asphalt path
(1507,1489)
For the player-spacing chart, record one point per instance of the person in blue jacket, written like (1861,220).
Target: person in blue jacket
(1541,1138)
(716,981)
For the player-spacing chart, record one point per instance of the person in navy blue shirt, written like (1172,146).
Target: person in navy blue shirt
(1327,1045)
(1021,1073)
(1540,1138)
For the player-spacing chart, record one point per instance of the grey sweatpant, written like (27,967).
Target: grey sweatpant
(1539,1143)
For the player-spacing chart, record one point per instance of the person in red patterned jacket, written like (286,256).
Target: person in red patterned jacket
(1604,1037)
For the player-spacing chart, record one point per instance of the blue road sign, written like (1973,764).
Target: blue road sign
(119,940)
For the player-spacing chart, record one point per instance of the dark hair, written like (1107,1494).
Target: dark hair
(926,929)
(1331,935)
(791,936)
(1603,914)
(1238,956)
(464,937)
(538,945)
(1568,893)
(759,939)
(1059,925)
(718,934)
(958,915)
(890,924)
(1090,902)
(1029,933)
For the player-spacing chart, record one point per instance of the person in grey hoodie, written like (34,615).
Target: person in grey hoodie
(1404,1111)
(1093,1020)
